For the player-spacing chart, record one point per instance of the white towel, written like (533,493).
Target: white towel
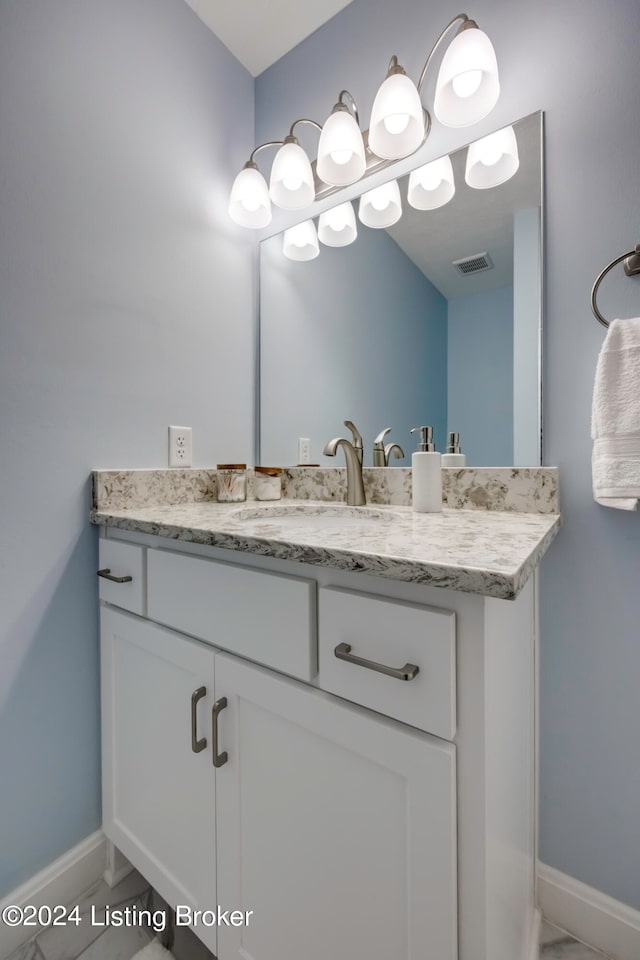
(615,419)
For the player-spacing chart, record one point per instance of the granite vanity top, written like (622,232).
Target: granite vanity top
(486,552)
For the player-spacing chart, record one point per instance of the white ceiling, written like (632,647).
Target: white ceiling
(259,32)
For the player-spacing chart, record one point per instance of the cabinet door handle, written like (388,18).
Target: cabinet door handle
(106,573)
(219,759)
(197,745)
(408,672)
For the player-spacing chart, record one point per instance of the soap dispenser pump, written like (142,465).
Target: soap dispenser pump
(454,457)
(426,473)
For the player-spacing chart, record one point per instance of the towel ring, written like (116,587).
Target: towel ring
(631,268)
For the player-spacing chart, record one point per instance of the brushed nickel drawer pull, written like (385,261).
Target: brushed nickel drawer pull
(197,745)
(219,759)
(106,573)
(408,672)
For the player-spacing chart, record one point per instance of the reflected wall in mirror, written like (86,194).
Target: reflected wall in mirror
(389,332)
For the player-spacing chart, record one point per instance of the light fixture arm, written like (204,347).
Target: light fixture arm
(352,106)
(270,143)
(295,123)
(466,22)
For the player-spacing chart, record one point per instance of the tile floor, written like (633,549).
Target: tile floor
(89,941)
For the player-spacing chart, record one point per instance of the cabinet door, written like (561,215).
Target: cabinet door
(158,794)
(336,827)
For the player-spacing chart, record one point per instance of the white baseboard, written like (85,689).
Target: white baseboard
(587,914)
(61,882)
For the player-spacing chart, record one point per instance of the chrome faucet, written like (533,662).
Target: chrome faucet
(382,454)
(353,456)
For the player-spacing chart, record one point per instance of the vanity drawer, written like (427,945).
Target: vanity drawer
(263,616)
(390,633)
(117,559)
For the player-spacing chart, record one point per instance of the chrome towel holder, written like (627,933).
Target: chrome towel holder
(631,268)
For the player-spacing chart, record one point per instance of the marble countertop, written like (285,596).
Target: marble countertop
(491,553)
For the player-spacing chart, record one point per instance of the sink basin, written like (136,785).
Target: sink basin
(335,517)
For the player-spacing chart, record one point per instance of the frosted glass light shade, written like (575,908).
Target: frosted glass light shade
(337,227)
(492,160)
(468,86)
(341,150)
(301,242)
(381,207)
(291,186)
(249,203)
(432,185)
(396,128)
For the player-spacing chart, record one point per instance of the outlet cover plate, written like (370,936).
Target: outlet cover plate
(304,450)
(180,446)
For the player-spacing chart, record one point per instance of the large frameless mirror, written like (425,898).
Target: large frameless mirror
(434,319)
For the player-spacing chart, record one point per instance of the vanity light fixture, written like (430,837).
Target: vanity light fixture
(467,89)
(398,120)
(249,203)
(301,242)
(341,158)
(291,186)
(337,227)
(492,160)
(432,185)
(468,86)
(381,207)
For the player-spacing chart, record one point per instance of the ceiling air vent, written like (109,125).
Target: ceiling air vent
(477,263)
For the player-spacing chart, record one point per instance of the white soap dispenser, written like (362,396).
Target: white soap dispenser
(454,457)
(426,473)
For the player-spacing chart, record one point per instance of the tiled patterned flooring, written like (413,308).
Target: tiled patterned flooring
(88,940)
(92,942)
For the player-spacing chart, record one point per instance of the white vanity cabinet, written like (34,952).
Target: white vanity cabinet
(355,813)
(158,792)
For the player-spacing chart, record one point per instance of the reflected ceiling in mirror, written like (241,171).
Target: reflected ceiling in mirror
(433,320)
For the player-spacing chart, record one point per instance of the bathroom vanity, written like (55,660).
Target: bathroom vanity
(325,719)
(328,719)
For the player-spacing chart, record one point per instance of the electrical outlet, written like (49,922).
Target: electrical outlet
(304,450)
(180,446)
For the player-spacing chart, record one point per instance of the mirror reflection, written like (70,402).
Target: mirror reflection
(433,319)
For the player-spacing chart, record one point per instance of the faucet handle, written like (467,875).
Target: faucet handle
(357,436)
(378,443)
(357,440)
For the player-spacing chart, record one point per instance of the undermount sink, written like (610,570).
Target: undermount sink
(336,516)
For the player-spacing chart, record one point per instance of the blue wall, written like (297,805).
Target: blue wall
(480,381)
(590,654)
(126,304)
(358,333)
